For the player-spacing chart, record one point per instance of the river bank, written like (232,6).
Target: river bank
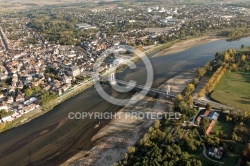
(187,44)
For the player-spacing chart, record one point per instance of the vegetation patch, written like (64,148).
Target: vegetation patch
(234,89)
(223,128)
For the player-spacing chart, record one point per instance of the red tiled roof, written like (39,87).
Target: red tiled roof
(210,127)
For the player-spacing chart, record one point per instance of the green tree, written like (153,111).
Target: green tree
(246,151)
(131,149)
(36,89)
(226,56)
(189,89)
(208,106)
(243,57)
(28,92)
(200,72)
(195,81)
(234,136)
(156,124)
(204,123)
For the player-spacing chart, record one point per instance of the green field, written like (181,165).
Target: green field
(225,127)
(234,89)
(246,49)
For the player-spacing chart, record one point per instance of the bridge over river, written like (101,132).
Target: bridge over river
(154,92)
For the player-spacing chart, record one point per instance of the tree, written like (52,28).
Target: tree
(234,136)
(131,149)
(179,97)
(243,57)
(156,124)
(36,89)
(204,123)
(190,100)
(202,92)
(234,67)
(189,89)
(226,56)
(228,118)
(28,92)
(208,106)
(195,81)
(200,72)
(246,151)
(231,52)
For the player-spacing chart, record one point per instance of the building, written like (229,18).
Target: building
(74,71)
(212,116)
(216,152)
(85,26)
(67,80)
(20,98)
(149,10)
(3,106)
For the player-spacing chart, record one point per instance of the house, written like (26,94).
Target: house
(3,106)
(30,101)
(10,100)
(26,109)
(216,152)
(20,85)
(47,87)
(85,26)
(29,108)
(66,79)
(3,76)
(210,127)
(65,87)
(212,116)
(19,98)
(74,71)
(2,96)
(6,119)
(59,92)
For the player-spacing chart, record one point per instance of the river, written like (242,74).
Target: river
(52,137)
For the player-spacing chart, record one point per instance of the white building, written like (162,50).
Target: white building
(149,10)
(85,26)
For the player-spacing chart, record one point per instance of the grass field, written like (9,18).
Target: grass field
(246,49)
(234,89)
(225,127)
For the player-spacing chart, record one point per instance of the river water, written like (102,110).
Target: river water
(52,137)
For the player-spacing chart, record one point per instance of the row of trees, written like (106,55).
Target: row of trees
(214,79)
(238,32)
(184,100)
